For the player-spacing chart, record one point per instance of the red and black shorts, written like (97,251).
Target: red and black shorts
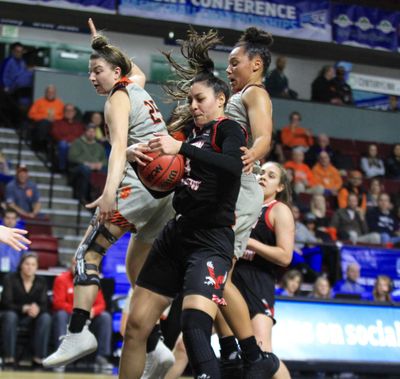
(256,286)
(189,259)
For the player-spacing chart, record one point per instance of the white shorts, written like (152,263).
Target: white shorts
(147,214)
(248,208)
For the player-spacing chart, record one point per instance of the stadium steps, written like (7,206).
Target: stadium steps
(64,206)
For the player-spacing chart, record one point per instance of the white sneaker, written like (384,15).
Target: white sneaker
(158,362)
(73,347)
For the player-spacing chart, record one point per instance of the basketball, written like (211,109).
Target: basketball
(163,173)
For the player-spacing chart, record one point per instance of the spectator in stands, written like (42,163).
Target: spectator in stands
(375,188)
(303,176)
(305,252)
(277,83)
(327,175)
(321,289)
(22,194)
(350,285)
(350,223)
(101,321)
(16,78)
(322,221)
(322,144)
(291,283)
(381,220)
(371,165)
(24,301)
(323,89)
(294,135)
(382,289)
(343,90)
(43,112)
(353,185)
(97,119)
(64,132)
(9,257)
(393,104)
(393,163)
(85,155)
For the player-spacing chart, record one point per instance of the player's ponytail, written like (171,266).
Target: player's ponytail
(111,54)
(199,68)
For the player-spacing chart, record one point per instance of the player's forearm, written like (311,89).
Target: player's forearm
(116,166)
(261,147)
(274,254)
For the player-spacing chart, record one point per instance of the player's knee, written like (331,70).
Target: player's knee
(196,330)
(137,327)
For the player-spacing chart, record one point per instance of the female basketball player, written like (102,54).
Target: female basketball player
(125,205)
(251,107)
(194,251)
(270,246)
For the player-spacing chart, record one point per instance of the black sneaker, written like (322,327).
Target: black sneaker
(263,368)
(231,368)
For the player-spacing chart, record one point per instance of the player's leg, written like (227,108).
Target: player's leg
(262,326)
(146,309)
(137,253)
(181,360)
(79,341)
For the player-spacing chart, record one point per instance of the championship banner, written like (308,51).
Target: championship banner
(99,6)
(365,27)
(287,18)
(373,262)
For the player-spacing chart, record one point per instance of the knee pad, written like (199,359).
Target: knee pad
(196,330)
(81,275)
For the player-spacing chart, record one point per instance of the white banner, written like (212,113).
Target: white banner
(376,84)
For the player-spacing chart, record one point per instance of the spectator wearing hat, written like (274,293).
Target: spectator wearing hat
(24,302)
(22,194)
(85,156)
(64,132)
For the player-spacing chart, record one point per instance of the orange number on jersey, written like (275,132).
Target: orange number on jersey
(153,110)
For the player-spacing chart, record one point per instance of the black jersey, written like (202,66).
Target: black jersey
(263,232)
(207,194)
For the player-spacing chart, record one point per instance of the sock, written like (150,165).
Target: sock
(153,338)
(78,320)
(229,347)
(251,351)
(196,329)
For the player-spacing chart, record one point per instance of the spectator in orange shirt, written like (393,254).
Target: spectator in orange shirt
(353,185)
(64,132)
(101,322)
(43,112)
(327,175)
(294,135)
(303,176)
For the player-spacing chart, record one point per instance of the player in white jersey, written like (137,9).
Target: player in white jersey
(125,205)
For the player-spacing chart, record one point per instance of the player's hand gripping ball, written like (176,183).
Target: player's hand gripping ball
(163,173)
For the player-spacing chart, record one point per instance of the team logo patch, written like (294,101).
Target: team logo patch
(269,311)
(125,192)
(212,280)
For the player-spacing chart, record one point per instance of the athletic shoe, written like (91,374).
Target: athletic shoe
(231,368)
(101,364)
(158,362)
(73,347)
(263,368)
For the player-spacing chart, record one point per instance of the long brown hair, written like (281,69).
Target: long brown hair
(284,196)
(199,68)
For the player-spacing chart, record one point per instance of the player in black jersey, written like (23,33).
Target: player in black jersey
(194,251)
(270,246)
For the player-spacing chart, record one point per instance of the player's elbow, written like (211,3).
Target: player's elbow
(285,259)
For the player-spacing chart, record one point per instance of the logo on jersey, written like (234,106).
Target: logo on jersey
(212,280)
(203,376)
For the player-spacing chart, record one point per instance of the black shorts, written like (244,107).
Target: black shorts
(256,286)
(193,259)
